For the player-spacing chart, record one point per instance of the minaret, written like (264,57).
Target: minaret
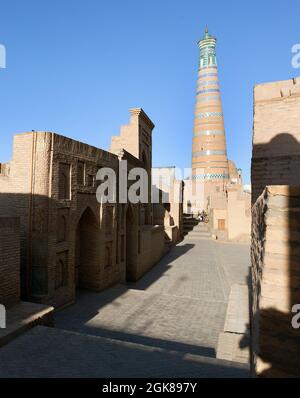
(209,155)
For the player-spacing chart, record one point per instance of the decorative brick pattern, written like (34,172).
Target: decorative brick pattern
(208,98)
(208,90)
(209,141)
(210,177)
(208,153)
(209,132)
(209,114)
(68,239)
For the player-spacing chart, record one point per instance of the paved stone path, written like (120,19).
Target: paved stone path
(166,324)
(53,353)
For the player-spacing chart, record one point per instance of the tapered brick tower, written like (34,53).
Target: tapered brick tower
(209,155)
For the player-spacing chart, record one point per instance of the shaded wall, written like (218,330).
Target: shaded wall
(275,228)
(151,250)
(9,261)
(275,254)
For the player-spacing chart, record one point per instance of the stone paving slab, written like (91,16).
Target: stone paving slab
(153,319)
(53,353)
(165,325)
(24,316)
(233,344)
(233,347)
(181,302)
(190,269)
(234,259)
(237,314)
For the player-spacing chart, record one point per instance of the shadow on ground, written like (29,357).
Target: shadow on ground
(161,268)
(75,355)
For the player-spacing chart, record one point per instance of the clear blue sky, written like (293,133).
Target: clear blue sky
(76,67)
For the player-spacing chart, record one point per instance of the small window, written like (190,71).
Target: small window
(108,258)
(62,228)
(80,173)
(109,219)
(139,242)
(61,274)
(123,248)
(90,180)
(64,181)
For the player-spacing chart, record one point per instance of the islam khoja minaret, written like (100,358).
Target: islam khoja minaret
(209,154)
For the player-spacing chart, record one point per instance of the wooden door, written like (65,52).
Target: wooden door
(221,224)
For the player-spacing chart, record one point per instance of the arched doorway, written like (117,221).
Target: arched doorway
(131,244)
(87,262)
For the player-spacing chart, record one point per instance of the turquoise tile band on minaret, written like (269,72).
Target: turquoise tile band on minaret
(209,139)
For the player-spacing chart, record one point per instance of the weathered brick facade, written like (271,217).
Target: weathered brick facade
(276,281)
(68,238)
(275,228)
(276,137)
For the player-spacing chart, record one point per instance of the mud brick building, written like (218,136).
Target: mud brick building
(68,239)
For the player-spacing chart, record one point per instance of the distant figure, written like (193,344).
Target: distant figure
(204,217)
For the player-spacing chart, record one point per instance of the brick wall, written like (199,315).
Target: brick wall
(51,185)
(152,248)
(15,195)
(276,135)
(32,192)
(9,261)
(238,214)
(81,162)
(275,228)
(275,256)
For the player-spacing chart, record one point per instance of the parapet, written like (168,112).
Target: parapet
(277,90)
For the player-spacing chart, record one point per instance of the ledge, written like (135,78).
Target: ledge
(24,316)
